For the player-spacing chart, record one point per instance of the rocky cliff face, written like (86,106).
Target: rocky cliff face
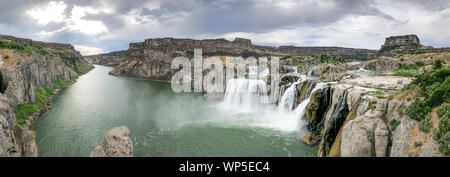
(152,58)
(107,59)
(117,143)
(25,66)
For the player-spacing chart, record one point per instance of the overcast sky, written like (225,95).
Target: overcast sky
(108,25)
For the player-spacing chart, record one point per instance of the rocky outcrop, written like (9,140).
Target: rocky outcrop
(27,69)
(320,101)
(382,64)
(329,72)
(368,134)
(117,143)
(403,137)
(8,146)
(107,59)
(378,82)
(333,124)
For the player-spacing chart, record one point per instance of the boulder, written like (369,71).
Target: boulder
(117,143)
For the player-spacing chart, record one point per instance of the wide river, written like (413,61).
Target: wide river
(162,123)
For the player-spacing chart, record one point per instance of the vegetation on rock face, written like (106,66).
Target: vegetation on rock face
(435,89)
(42,97)
(394,124)
(425,125)
(435,86)
(72,63)
(6,57)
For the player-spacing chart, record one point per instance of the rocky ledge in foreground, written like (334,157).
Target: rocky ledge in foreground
(117,143)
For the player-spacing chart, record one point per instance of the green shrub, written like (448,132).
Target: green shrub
(425,125)
(417,110)
(372,105)
(419,63)
(443,110)
(326,70)
(406,72)
(300,66)
(417,144)
(6,57)
(437,64)
(442,135)
(400,112)
(18,63)
(438,95)
(371,137)
(394,124)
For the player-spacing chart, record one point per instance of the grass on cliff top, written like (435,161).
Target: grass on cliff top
(4,44)
(42,97)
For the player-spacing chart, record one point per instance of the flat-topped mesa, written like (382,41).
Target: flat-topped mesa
(407,44)
(406,40)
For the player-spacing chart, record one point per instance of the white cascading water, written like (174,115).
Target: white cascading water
(244,102)
(288,99)
(245,95)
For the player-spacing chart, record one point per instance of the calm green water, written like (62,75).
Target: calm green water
(162,123)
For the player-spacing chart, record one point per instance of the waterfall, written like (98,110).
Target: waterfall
(300,110)
(246,94)
(310,71)
(288,100)
(244,101)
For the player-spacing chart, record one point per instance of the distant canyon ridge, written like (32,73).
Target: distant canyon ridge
(152,58)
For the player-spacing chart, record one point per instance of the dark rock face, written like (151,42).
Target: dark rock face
(407,44)
(152,58)
(107,59)
(333,125)
(20,80)
(317,108)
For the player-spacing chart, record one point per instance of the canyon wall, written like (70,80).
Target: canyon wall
(107,59)
(26,66)
(152,58)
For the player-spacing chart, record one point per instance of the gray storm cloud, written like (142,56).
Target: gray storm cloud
(111,25)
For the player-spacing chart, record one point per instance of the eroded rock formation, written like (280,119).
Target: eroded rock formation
(117,143)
